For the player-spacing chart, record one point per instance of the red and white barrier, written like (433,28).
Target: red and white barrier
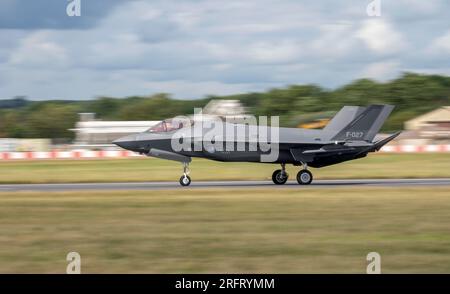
(415,148)
(87,154)
(75,154)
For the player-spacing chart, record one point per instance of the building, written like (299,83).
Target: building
(433,126)
(97,134)
(225,108)
(91,133)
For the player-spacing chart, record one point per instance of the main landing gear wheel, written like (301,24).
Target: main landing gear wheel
(304,177)
(185,180)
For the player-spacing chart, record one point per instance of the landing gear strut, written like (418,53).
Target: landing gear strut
(185,180)
(304,176)
(280,176)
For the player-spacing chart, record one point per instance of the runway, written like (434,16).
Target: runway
(317,184)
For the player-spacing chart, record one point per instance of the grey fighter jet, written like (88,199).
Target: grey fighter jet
(349,135)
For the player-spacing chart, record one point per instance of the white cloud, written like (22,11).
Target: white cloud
(380,36)
(381,70)
(256,52)
(418,7)
(272,52)
(38,50)
(334,41)
(441,44)
(198,89)
(193,48)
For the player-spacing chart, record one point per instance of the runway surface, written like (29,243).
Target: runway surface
(317,184)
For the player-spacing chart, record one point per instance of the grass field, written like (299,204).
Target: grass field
(237,231)
(147,169)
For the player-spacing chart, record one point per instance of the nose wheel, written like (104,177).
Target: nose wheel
(185,180)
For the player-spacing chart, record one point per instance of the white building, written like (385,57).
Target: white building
(225,108)
(92,134)
(98,134)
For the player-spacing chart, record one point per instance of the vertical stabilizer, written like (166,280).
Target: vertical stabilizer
(365,125)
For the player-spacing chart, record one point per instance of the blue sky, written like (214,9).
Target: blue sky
(193,48)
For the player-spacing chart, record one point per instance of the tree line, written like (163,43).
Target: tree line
(412,94)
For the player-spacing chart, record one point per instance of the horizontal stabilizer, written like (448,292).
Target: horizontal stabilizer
(377,145)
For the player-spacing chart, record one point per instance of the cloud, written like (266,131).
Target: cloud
(381,70)
(334,41)
(51,14)
(36,50)
(441,44)
(380,37)
(260,52)
(192,48)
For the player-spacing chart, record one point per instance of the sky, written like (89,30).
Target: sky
(194,48)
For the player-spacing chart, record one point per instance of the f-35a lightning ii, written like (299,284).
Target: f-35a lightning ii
(349,135)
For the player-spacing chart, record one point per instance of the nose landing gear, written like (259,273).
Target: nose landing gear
(185,180)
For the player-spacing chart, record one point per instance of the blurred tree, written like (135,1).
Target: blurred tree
(16,102)
(51,121)
(105,107)
(411,93)
(156,107)
(11,124)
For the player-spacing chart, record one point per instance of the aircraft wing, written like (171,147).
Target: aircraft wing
(308,155)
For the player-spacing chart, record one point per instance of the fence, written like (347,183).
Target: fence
(86,154)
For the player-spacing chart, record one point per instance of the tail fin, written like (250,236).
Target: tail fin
(343,118)
(365,125)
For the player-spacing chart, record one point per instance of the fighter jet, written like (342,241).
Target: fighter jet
(349,135)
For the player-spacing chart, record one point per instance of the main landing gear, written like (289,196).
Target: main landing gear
(185,180)
(280,176)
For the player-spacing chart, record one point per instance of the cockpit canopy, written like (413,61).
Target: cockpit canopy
(169,125)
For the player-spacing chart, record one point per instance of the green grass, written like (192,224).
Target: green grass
(236,231)
(148,169)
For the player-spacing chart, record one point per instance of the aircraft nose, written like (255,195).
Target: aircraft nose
(127,142)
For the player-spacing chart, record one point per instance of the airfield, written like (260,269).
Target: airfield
(131,215)
(145,169)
